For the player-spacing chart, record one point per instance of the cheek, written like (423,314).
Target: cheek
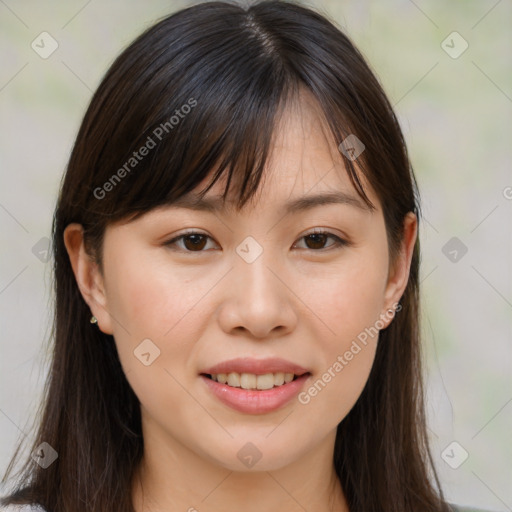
(350,302)
(151,299)
(154,298)
(348,296)
(347,360)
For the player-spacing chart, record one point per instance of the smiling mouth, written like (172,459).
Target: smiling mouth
(253,382)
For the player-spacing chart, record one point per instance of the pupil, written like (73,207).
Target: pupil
(317,243)
(196,241)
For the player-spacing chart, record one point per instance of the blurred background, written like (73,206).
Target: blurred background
(446,67)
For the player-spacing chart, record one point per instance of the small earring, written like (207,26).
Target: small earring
(93,320)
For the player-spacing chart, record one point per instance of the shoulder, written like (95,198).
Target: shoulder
(465,508)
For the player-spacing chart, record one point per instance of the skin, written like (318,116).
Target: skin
(302,299)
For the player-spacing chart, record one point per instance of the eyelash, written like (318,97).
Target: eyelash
(339,242)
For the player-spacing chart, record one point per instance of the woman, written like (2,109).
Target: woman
(236,270)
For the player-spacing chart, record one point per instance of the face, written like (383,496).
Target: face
(184,290)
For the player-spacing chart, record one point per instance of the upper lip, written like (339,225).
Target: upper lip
(256,366)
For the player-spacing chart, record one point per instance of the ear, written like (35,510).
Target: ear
(88,276)
(398,274)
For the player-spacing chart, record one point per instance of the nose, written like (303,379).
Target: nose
(258,300)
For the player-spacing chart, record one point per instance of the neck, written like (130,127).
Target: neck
(173,477)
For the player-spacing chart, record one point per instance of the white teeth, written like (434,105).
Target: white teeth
(252,381)
(265,381)
(234,380)
(221,377)
(248,381)
(279,379)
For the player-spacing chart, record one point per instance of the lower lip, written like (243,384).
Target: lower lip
(254,401)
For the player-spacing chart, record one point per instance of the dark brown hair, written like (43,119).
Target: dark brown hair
(207,85)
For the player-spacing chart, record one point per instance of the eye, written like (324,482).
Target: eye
(317,239)
(194,241)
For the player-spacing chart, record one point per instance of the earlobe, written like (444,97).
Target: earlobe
(399,272)
(88,276)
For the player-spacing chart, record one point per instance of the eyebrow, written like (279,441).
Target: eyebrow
(215,204)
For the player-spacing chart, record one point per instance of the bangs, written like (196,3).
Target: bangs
(230,130)
(204,102)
